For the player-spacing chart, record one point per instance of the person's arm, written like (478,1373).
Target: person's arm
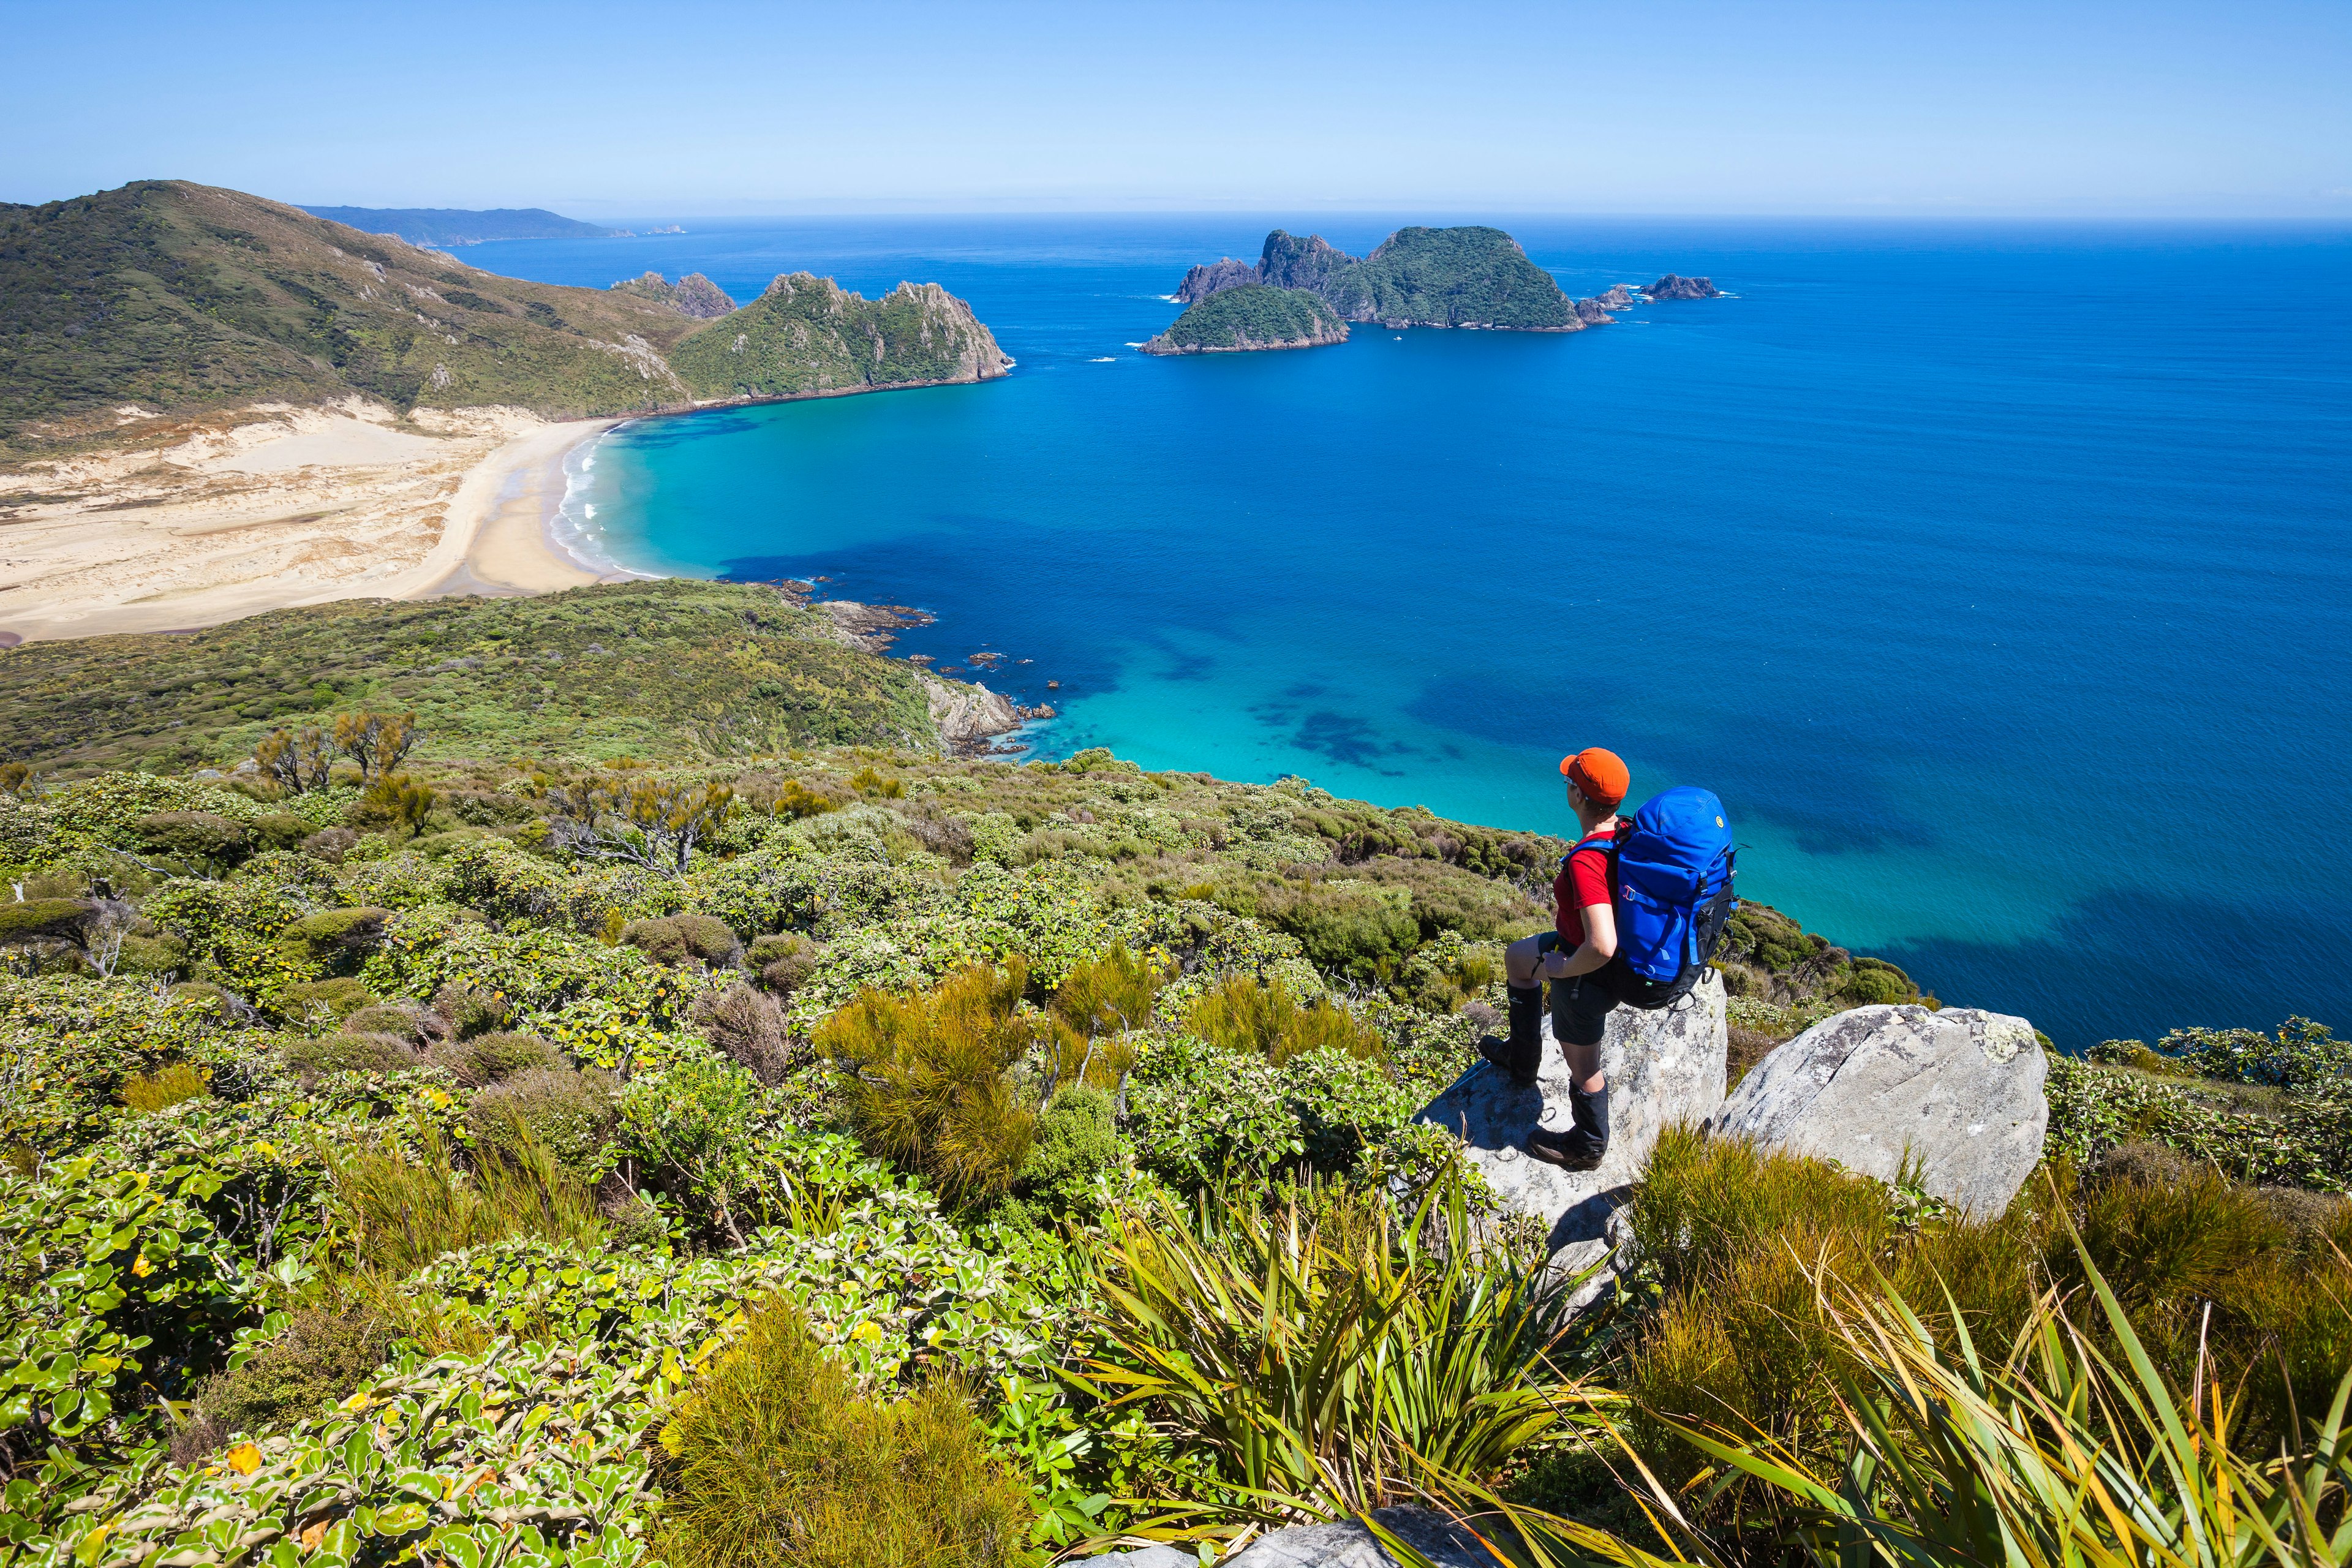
(1599,944)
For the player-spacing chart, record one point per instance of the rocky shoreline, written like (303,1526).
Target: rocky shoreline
(970,717)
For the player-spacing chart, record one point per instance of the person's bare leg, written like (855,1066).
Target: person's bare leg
(1522,959)
(1584,1067)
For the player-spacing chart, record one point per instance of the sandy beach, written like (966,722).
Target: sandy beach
(273,506)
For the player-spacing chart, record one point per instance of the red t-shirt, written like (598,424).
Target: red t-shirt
(1589,877)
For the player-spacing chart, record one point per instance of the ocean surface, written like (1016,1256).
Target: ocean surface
(1996,577)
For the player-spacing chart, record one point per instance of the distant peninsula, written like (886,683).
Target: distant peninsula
(458,226)
(1253,316)
(1469,276)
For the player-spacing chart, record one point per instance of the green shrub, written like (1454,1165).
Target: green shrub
(320,1358)
(385,1018)
(783,962)
(926,1078)
(349,1053)
(568,1111)
(774,1456)
(45,919)
(1244,1014)
(2300,1055)
(488,1059)
(1873,981)
(145,1093)
(675,940)
(337,937)
(199,835)
(280,830)
(1077,1142)
(325,1001)
(151,955)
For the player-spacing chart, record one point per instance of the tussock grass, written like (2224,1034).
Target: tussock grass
(774,1456)
(401,1213)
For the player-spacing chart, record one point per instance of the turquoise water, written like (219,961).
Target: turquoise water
(1995,578)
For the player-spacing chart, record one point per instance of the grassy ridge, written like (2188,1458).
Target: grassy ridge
(174,298)
(647,670)
(1252,317)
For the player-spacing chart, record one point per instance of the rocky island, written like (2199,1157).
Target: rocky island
(1469,276)
(1253,316)
(1674,287)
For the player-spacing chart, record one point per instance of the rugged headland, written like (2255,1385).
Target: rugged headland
(461,226)
(1253,316)
(211,404)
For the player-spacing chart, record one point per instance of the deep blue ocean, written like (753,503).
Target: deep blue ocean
(1995,576)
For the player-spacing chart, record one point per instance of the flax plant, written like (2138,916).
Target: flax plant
(2056,1456)
(1325,1361)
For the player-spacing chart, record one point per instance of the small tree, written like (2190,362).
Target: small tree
(297,760)
(652,823)
(377,742)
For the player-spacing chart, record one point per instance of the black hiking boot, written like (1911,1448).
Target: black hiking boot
(1521,1055)
(1582,1145)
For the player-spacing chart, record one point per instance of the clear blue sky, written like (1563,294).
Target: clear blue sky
(704,108)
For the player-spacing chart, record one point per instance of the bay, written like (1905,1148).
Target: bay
(1994,575)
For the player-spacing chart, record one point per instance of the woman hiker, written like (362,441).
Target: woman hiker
(1571,955)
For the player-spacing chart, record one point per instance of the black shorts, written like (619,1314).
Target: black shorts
(1580,1004)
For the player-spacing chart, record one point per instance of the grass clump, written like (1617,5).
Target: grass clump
(402,1210)
(928,1079)
(1245,1014)
(775,1457)
(146,1093)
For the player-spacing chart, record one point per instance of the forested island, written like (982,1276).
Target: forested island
(1252,317)
(1469,276)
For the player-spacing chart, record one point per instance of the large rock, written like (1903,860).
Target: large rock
(1346,1545)
(1673,287)
(1663,1067)
(1960,1090)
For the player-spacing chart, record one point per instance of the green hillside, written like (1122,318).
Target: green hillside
(1425,277)
(458,226)
(175,299)
(668,669)
(1252,317)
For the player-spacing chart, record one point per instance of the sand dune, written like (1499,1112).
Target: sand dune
(274,505)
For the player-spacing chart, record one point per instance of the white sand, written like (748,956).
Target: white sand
(273,506)
(343,443)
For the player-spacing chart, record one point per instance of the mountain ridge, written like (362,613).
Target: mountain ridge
(126,310)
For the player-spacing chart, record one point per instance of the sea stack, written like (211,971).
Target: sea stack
(1675,287)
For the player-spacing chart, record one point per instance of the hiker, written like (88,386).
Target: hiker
(1583,940)
(1638,908)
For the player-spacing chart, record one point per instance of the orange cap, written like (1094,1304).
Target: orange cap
(1600,775)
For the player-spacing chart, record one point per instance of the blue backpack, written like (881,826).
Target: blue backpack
(1673,896)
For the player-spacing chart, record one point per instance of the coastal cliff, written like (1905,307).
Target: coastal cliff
(807,335)
(692,296)
(1255,316)
(128,314)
